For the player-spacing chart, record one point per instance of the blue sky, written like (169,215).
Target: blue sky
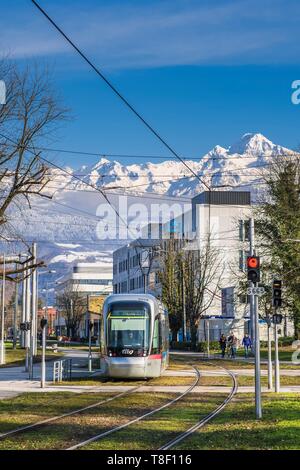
(201,72)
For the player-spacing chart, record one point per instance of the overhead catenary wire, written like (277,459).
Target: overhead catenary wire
(204,158)
(117,92)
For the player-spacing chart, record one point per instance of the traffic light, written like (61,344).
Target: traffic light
(26,326)
(277,319)
(277,300)
(253,269)
(43,322)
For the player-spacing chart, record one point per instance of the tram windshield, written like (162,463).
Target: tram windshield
(128,326)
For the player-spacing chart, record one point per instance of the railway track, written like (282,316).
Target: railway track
(136,420)
(203,421)
(44,422)
(104,434)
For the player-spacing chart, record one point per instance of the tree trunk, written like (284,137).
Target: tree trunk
(194,330)
(174,335)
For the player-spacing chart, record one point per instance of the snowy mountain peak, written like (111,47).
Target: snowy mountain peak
(255,144)
(217,151)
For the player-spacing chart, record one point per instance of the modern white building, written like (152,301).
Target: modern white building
(223,216)
(89,279)
(93,281)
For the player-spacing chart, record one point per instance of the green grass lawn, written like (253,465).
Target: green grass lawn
(160,428)
(16,357)
(64,433)
(100,381)
(244,381)
(237,428)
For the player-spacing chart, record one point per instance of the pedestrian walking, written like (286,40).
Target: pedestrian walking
(233,344)
(247,343)
(223,344)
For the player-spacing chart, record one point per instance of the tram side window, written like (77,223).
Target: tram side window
(156,339)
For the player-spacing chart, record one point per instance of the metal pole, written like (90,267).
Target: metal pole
(2,347)
(90,337)
(277,371)
(183,306)
(34,304)
(252,302)
(43,364)
(255,331)
(270,371)
(257,364)
(15,315)
(90,347)
(23,315)
(208,339)
(32,329)
(28,332)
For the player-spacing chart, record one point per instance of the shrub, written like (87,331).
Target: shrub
(202,346)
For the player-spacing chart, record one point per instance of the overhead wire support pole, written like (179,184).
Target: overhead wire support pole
(15,318)
(2,346)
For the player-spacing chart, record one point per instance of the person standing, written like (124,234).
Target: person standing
(233,344)
(223,344)
(247,343)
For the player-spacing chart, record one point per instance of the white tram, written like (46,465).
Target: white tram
(134,336)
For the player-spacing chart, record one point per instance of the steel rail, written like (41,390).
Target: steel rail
(207,418)
(136,420)
(64,415)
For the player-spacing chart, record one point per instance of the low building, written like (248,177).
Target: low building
(89,279)
(93,281)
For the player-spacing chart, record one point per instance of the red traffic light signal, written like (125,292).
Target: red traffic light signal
(253,262)
(253,265)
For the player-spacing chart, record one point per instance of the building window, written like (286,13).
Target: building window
(244,230)
(242,259)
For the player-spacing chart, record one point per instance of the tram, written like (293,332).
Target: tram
(134,336)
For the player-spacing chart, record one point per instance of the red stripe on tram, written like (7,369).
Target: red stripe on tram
(155,356)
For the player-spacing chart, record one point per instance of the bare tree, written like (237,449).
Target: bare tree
(190,277)
(171,289)
(30,116)
(74,307)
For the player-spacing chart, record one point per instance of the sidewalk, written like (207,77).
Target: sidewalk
(220,372)
(17,388)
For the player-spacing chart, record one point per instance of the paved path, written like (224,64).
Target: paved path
(34,386)
(220,372)
(14,380)
(217,356)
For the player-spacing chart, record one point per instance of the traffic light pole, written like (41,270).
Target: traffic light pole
(257,363)
(43,363)
(2,345)
(252,307)
(270,371)
(277,371)
(255,331)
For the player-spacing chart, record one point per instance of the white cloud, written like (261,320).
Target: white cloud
(159,34)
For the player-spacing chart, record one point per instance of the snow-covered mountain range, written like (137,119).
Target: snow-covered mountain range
(65,227)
